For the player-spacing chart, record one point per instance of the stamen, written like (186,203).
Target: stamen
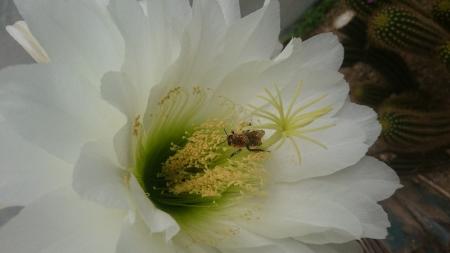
(204,167)
(291,122)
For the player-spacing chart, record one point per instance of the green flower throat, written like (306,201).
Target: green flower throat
(184,162)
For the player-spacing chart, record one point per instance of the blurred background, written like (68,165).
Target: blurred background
(397,61)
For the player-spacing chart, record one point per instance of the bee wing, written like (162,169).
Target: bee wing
(258,133)
(255,137)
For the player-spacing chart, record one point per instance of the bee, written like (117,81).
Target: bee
(250,139)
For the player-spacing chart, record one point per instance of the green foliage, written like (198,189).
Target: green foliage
(310,20)
(365,8)
(402,28)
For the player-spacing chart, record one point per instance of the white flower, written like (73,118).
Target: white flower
(118,144)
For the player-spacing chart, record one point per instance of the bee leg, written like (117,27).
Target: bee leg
(236,152)
(255,149)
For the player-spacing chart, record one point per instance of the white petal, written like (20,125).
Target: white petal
(293,246)
(200,44)
(291,216)
(75,32)
(98,177)
(133,24)
(231,10)
(255,36)
(372,220)
(369,176)
(184,243)
(157,220)
(316,211)
(344,144)
(322,51)
(137,238)
(243,239)
(364,116)
(27,171)
(20,32)
(62,223)
(288,50)
(152,42)
(122,94)
(244,84)
(278,246)
(53,108)
(351,247)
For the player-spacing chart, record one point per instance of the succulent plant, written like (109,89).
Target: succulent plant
(370,94)
(392,67)
(444,54)
(441,13)
(408,130)
(400,27)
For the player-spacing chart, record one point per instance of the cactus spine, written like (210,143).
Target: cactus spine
(441,13)
(444,54)
(407,130)
(402,28)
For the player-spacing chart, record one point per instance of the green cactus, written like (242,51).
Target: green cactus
(441,13)
(406,130)
(402,28)
(365,8)
(416,100)
(444,54)
(370,94)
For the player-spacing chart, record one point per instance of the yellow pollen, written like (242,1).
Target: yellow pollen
(203,166)
(174,92)
(137,125)
(245,175)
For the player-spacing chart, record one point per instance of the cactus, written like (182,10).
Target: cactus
(370,94)
(392,67)
(441,13)
(407,130)
(355,33)
(402,28)
(416,100)
(444,54)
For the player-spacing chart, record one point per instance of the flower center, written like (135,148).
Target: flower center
(206,167)
(183,159)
